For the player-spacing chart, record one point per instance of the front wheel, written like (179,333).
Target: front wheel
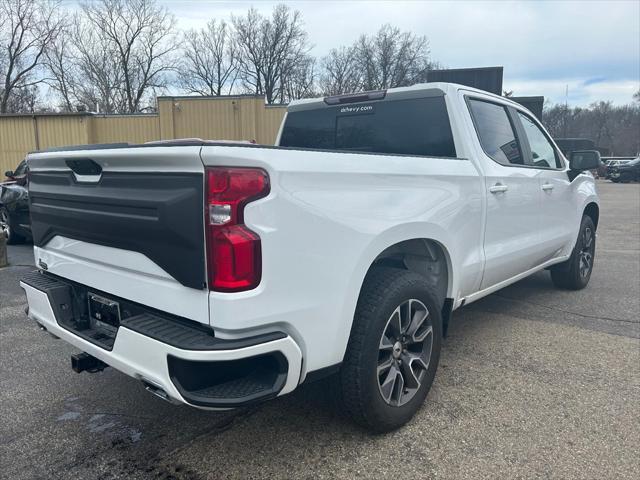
(394,349)
(574,274)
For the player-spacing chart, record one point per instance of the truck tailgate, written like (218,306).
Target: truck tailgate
(128,221)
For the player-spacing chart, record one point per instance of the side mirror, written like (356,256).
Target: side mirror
(8,173)
(581,160)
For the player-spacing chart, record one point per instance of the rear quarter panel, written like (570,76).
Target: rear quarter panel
(328,216)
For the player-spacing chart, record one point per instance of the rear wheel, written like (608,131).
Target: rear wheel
(394,349)
(574,274)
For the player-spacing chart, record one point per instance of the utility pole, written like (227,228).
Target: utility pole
(566,108)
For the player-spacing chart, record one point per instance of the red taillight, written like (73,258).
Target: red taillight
(234,257)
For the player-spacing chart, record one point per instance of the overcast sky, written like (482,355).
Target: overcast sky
(593,47)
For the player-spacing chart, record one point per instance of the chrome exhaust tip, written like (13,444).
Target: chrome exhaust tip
(157,391)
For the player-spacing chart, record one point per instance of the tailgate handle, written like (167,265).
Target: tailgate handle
(85,169)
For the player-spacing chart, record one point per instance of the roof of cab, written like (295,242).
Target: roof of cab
(414,91)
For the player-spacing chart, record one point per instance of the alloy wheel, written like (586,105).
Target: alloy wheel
(586,253)
(404,352)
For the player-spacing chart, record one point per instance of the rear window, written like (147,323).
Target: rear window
(406,127)
(496,133)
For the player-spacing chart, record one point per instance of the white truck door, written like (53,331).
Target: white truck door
(512,239)
(558,223)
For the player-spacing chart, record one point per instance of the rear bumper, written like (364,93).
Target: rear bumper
(231,373)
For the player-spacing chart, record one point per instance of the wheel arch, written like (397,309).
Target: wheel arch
(386,248)
(425,256)
(592,210)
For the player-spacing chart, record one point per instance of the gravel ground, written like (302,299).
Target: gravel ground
(533,383)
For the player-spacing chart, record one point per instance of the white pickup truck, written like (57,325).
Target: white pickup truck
(220,275)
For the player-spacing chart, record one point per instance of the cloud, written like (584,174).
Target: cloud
(574,90)
(593,44)
(593,81)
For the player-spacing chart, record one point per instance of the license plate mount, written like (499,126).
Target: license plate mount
(104,312)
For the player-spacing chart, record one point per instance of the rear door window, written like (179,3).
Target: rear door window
(496,133)
(406,127)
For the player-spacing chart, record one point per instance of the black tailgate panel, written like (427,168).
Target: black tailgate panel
(158,214)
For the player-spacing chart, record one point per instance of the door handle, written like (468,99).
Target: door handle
(547,186)
(498,188)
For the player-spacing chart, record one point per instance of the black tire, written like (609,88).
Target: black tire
(12,237)
(384,291)
(571,275)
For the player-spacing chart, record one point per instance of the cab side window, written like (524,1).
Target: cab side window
(496,133)
(543,154)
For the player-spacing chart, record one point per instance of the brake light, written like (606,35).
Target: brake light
(355,97)
(234,253)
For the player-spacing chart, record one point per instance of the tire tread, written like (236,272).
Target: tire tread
(566,275)
(379,283)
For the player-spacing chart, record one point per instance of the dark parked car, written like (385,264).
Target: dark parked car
(15,223)
(19,175)
(611,162)
(627,172)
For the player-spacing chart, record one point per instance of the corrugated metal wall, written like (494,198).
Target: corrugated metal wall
(270,125)
(215,118)
(17,136)
(225,118)
(125,128)
(55,131)
(201,119)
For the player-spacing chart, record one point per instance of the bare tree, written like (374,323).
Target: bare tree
(300,80)
(25,100)
(340,72)
(85,70)
(61,67)
(210,64)
(28,28)
(142,37)
(392,58)
(269,49)
(601,115)
(99,83)
(613,128)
